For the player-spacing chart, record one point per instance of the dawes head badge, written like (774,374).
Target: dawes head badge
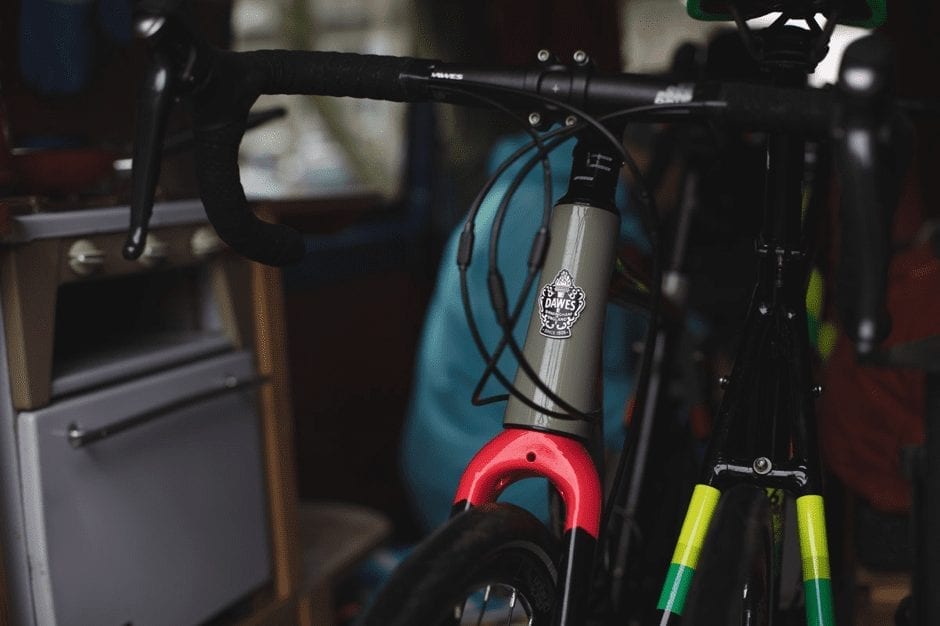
(560,306)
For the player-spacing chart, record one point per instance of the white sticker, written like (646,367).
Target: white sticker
(675,94)
(560,306)
(447,75)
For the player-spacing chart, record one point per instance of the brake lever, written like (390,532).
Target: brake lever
(178,64)
(872,154)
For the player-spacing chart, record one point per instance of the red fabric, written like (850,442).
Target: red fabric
(869,413)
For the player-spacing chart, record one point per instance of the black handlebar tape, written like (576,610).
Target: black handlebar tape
(340,74)
(220,110)
(868,154)
(764,107)
(221,103)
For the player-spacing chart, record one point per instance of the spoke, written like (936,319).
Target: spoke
(486,599)
(512,607)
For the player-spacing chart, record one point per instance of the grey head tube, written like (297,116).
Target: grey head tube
(563,341)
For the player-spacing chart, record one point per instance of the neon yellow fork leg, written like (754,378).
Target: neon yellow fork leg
(814,551)
(685,558)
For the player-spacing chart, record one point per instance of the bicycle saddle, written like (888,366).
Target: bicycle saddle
(865,13)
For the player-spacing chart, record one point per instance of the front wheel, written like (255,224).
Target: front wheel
(493,564)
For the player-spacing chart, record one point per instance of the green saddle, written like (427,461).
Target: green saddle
(864,13)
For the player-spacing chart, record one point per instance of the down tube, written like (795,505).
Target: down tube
(688,548)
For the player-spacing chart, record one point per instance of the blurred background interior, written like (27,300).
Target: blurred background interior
(378,187)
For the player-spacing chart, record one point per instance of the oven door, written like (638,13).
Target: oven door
(145,502)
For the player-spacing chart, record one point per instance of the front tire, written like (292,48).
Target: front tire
(732,585)
(495,557)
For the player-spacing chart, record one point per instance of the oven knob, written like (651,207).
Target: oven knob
(85,258)
(155,253)
(205,242)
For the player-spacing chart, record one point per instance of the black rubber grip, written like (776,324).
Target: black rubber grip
(220,110)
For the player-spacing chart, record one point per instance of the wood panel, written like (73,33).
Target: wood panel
(270,344)
(29,281)
(277,613)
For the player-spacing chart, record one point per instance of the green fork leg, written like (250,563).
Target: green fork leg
(685,558)
(814,551)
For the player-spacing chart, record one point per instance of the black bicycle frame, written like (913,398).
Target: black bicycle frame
(765,429)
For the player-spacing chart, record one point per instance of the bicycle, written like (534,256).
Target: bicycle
(488,548)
